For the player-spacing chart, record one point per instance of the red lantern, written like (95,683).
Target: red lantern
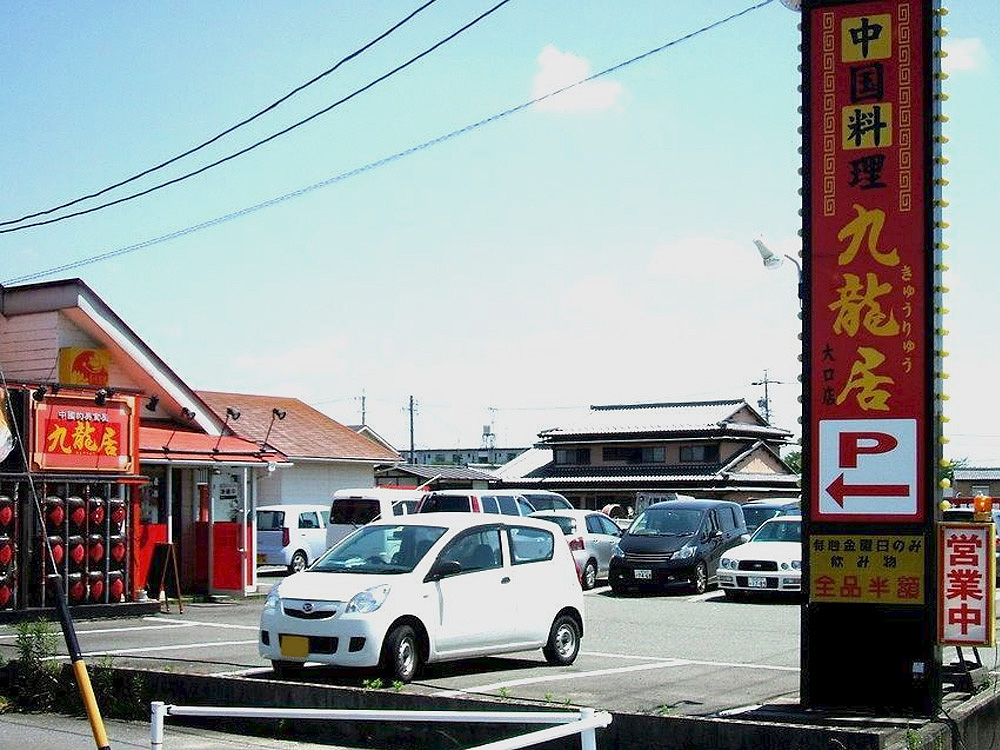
(96,512)
(58,551)
(77,552)
(117,550)
(77,589)
(56,515)
(78,516)
(96,549)
(6,552)
(6,594)
(118,513)
(96,588)
(6,512)
(116,587)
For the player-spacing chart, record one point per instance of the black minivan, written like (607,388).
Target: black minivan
(676,542)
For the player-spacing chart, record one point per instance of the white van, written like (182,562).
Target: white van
(353,508)
(292,535)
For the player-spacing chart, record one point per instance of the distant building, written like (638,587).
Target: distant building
(482,458)
(970,481)
(722,449)
(434,477)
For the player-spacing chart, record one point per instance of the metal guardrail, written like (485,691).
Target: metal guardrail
(584,722)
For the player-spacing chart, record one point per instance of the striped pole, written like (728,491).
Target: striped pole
(80,669)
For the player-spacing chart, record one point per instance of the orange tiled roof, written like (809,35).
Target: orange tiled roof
(303,433)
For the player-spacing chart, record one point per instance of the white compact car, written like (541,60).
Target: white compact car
(291,535)
(770,562)
(411,590)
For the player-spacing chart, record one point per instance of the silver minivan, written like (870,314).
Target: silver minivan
(292,535)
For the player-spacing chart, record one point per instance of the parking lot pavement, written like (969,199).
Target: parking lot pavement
(58,732)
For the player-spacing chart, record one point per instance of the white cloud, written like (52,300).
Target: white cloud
(557,69)
(964,55)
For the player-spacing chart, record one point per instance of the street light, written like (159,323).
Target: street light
(773,260)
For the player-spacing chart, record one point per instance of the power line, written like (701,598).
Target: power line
(262,141)
(235,127)
(371,165)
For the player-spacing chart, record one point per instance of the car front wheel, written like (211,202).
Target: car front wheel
(401,654)
(298,563)
(699,578)
(589,579)
(564,641)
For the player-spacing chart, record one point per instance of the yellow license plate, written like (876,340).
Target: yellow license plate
(296,646)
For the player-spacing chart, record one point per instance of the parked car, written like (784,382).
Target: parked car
(353,508)
(676,542)
(291,535)
(412,590)
(546,500)
(758,511)
(770,562)
(965,515)
(592,537)
(504,502)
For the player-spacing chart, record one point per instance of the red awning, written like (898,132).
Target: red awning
(184,446)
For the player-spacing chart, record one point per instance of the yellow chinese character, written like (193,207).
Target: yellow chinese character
(854,301)
(83,437)
(57,440)
(870,223)
(109,445)
(864,380)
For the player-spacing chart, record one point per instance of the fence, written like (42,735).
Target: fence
(583,722)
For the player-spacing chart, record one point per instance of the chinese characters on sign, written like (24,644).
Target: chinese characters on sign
(882,569)
(868,249)
(72,433)
(967,574)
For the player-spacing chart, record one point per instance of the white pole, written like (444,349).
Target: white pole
(588,737)
(158,711)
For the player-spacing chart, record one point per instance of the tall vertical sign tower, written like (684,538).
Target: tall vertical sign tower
(871,359)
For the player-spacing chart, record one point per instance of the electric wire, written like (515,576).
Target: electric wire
(229,130)
(268,139)
(375,164)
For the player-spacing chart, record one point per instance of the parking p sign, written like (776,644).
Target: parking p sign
(867,470)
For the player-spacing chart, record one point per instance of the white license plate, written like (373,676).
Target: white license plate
(756,582)
(643,575)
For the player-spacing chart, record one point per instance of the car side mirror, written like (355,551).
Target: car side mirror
(443,569)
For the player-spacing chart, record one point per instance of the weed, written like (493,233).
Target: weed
(504,693)
(373,684)
(35,680)
(548,697)
(397,685)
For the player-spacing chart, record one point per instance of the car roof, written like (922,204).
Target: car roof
(470,491)
(572,512)
(694,504)
(296,507)
(782,519)
(773,502)
(454,520)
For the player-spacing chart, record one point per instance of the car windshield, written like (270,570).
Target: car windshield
(270,520)
(666,522)
(778,531)
(756,516)
(379,549)
(568,525)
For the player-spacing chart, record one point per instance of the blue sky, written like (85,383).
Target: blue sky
(594,249)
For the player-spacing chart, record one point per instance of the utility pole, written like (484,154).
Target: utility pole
(362,407)
(413,453)
(765,403)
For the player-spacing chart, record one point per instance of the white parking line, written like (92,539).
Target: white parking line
(151,649)
(659,664)
(144,628)
(221,625)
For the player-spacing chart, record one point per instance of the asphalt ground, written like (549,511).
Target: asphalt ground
(58,732)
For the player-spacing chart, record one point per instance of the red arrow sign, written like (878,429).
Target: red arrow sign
(838,490)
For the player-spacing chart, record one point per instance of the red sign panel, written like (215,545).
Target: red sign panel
(72,433)
(868,252)
(966,588)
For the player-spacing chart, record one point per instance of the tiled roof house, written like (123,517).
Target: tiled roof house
(723,449)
